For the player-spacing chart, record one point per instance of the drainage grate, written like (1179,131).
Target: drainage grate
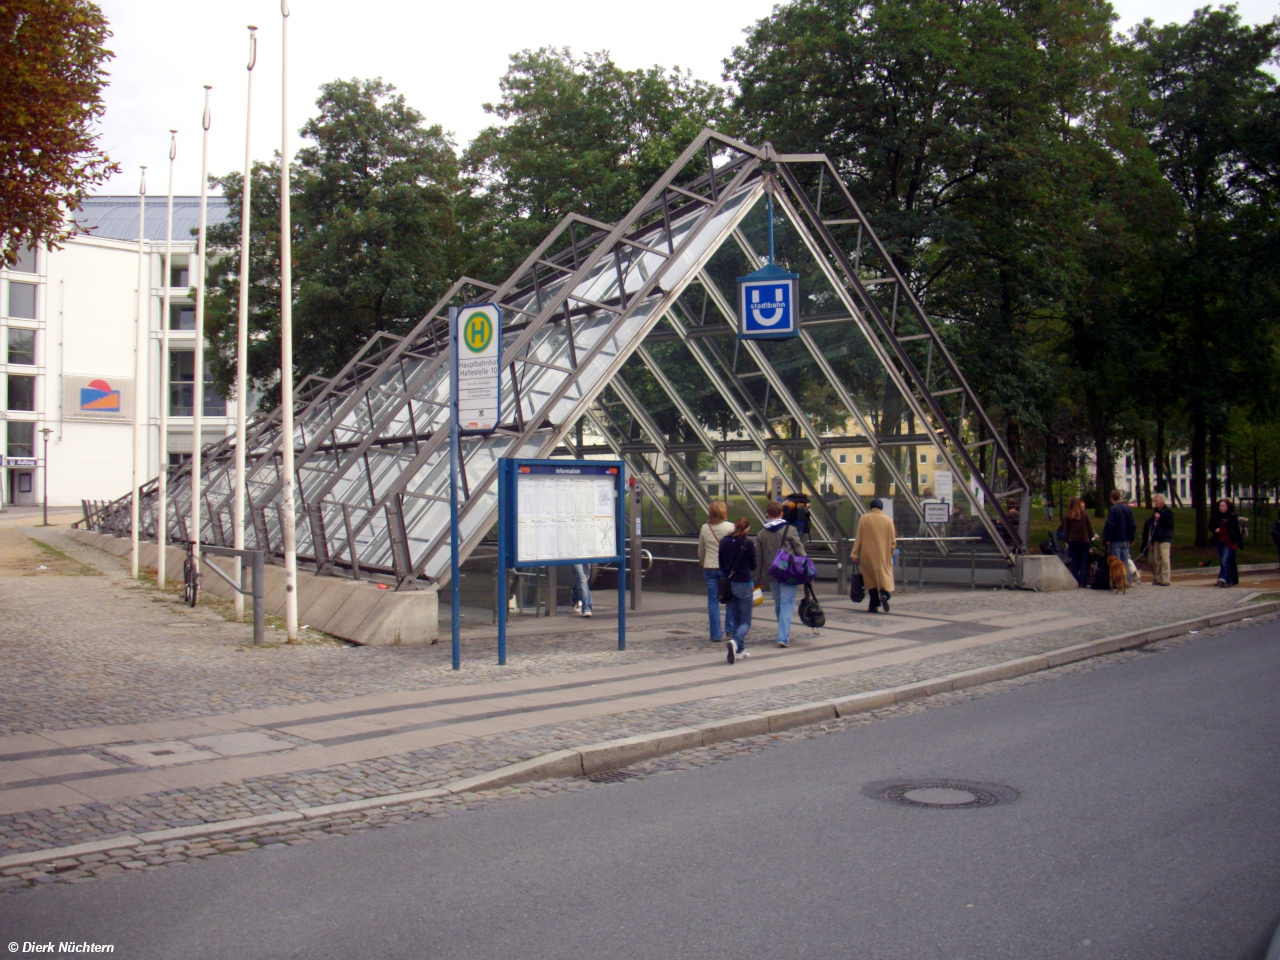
(613,776)
(941,794)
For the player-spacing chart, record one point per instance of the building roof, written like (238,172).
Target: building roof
(117,217)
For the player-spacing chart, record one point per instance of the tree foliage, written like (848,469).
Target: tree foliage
(376,234)
(52,72)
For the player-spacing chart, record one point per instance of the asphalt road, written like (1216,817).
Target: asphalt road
(1147,826)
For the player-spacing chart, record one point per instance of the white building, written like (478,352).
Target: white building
(67,334)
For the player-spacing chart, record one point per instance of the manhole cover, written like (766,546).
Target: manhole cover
(940,794)
(613,776)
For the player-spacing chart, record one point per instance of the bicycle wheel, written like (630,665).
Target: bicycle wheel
(191,586)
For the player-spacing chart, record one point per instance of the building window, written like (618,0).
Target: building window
(844,458)
(24,483)
(924,458)
(22,393)
(857,478)
(938,458)
(924,478)
(178,459)
(21,439)
(22,346)
(182,387)
(745,466)
(26,261)
(22,300)
(182,316)
(179,273)
(713,489)
(857,458)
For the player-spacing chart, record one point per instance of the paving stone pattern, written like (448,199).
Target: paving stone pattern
(118,863)
(90,651)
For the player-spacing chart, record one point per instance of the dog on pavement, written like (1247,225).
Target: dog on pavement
(1119,575)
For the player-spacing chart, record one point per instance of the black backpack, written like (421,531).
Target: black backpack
(811,614)
(795,510)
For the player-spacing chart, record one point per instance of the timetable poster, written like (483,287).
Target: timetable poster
(565,517)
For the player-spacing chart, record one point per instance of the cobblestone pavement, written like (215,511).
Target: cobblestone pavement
(116,863)
(89,651)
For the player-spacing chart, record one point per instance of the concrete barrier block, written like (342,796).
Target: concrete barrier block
(801,716)
(410,617)
(562,763)
(621,753)
(733,728)
(1042,572)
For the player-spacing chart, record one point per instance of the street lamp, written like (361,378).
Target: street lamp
(46,431)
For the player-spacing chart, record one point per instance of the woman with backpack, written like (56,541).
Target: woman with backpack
(713,531)
(1078,531)
(778,535)
(737,557)
(1225,527)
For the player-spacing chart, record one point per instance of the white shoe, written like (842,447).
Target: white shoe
(743,655)
(577,606)
(586,613)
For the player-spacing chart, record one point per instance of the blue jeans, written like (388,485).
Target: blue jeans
(1120,548)
(581,589)
(712,579)
(738,616)
(784,605)
(1226,563)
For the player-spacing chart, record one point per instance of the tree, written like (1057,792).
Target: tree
(377,238)
(52,73)
(579,135)
(954,124)
(1210,120)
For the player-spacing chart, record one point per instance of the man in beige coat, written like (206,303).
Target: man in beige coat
(873,549)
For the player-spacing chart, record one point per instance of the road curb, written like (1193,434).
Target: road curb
(614,754)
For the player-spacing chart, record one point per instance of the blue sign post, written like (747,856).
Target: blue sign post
(769,299)
(475,402)
(555,513)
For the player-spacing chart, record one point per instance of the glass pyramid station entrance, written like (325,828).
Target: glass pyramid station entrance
(621,340)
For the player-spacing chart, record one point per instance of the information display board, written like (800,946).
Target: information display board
(559,512)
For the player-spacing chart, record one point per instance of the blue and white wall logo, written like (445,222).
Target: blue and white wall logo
(768,304)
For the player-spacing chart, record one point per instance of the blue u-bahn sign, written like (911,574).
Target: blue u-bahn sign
(769,304)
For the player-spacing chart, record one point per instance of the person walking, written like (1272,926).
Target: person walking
(581,595)
(1119,531)
(1160,544)
(713,531)
(1225,527)
(778,535)
(873,549)
(737,556)
(1275,533)
(1078,531)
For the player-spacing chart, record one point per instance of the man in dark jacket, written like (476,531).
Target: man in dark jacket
(1119,530)
(1158,532)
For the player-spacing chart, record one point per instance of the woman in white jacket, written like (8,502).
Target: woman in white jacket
(713,531)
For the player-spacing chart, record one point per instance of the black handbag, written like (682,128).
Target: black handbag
(726,589)
(811,614)
(857,592)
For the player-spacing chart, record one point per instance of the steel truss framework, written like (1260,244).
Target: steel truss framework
(620,331)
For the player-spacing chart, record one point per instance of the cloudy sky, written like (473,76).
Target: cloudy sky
(446,57)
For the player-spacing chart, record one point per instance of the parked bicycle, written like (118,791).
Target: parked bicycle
(190,575)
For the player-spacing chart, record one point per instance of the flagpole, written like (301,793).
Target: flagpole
(140,347)
(288,512)
(197,386)
(162,493)
(242,326)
